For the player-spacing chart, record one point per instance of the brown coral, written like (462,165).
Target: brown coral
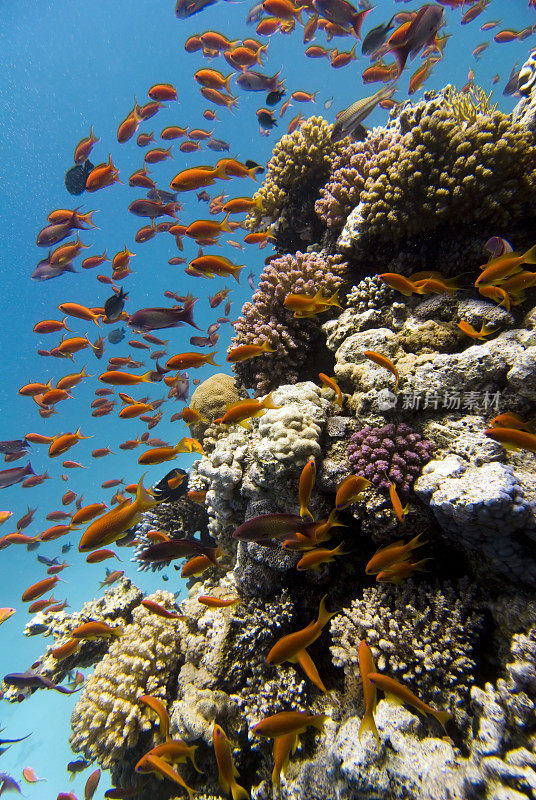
(446,172)
(266,318)
(300,165)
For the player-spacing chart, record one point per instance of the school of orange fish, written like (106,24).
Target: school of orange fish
(503,280)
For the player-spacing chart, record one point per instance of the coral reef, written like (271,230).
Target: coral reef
(300,164)
(266,318)
(392,453)
(108,717)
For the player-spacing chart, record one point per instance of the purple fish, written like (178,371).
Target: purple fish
(7,783)
(498,246)
(182,387)
(271,526)
(200,341)
(176,548)
(8,477)
(33,680)
(218,145)
(421,31)
(152,208)
(255,13)
(212,328)
(13,446)
(250,281)
(45,270)
(342,13)
(222,320)
(53,234)
(252,81)
(153,319)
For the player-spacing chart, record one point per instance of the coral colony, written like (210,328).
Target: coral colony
(424,574)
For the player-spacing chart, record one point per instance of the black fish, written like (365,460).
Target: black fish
(66,547)
(13,446)
(114,305)
(77,766)
(218,145)
(160,196)
(48,561)
(273,98)
(250,163)
(76,177)
(376,37)
(162,490)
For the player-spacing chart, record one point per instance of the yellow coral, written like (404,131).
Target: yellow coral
(108,718)
(468,106)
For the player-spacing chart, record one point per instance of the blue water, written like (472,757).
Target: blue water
(66,66)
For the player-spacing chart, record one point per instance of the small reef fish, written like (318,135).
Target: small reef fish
(366,668)
(218,602)
(349,122)
(383,361)
(96,630)
(6,613)
(392,687)
(468,329)
(238,413)
(286,722)
(498,269)
(396,573)
(392,553)
(246,351)
(305,305)
(512,439)
(176,752)
(160,611)
(305,487)
(398,510)
(332,384)
(227,771)
(33,680)
(350,490)
(315,558)
(111,526)
(292,647)
(177,548)
(510,420)
(158,707)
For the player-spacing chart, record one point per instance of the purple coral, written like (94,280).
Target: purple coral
(265,317)
(393,453)
(349,172)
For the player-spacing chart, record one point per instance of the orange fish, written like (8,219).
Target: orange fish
(39,589)
(498,269)
(237,413)
(398,572)
(366,667)
(160,611)
(315,558)
(384,362)
(84,147)
(227,771)
(512,439)
(158,707)
(391,554)
(102,175)
(162,92)
(392,687)
(50,326)
(468,329)
(350,490)
(286,722)
(64,442)
(305,487)
(111,526)
(6,613)
(116,378)
(218,602)
(510,420)
(305,305)
(190,360)
(246,351)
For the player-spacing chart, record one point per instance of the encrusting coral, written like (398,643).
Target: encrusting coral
(265,318)
(300,164)
(108,718)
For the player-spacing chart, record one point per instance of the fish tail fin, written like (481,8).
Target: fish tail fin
(238,792)
(368,723)
(334,299)
(146,377)
(304,512)
(357,21)
(442,717)
(118,631)
(530,256)
(236,273)
(324,615)
(226,83)
(210,359)
(265,347)
(143,499)
(414,543)
(401,55)
(252,172)
(418,566)
(224,224)
(268,402)
(65,326)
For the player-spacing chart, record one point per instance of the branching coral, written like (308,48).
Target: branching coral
(394,452)
(300,164)
(266,318)
(108,717)
(421,635)
(348,175)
